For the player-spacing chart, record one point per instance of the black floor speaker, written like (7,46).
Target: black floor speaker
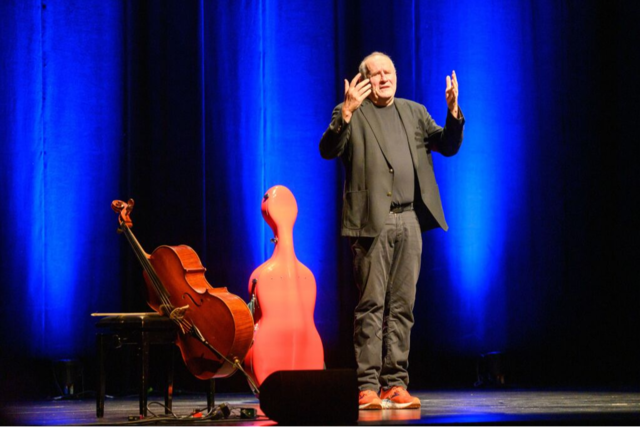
(311,397)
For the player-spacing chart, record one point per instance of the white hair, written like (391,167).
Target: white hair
(363,65)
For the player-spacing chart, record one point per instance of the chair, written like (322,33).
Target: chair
(142,330)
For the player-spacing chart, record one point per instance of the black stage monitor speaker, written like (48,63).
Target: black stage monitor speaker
(311,397)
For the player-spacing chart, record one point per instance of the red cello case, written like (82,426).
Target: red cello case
(283,294)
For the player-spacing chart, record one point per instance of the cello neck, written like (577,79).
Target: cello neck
(143,257)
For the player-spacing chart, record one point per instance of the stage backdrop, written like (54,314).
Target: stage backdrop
(195,109)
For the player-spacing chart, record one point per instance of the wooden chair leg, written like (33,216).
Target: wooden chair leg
(100,395)
(168,396)
(144,369)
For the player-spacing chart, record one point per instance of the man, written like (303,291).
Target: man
(390,197)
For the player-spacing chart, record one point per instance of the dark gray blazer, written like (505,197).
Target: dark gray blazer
(369,174)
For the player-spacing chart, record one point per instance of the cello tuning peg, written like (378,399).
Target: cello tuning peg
(274,240)
(266,196)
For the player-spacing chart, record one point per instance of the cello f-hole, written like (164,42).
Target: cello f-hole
(191,298)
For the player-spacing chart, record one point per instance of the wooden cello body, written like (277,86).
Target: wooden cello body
(284,295)
(216,327)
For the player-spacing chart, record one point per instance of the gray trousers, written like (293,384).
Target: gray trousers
(386,270)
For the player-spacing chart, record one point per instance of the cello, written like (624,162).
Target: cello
(283,296)
(215,327)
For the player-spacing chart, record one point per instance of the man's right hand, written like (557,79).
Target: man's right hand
(354,94)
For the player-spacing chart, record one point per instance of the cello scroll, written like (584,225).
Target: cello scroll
(123,210)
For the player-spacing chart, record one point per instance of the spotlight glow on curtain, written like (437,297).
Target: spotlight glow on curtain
(482,186)
(62,157)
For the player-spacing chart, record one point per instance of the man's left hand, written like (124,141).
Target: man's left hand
(452,94)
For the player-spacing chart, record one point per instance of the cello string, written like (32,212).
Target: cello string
(143,260)
(146,265)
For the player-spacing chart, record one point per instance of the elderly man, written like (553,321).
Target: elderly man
(390,198)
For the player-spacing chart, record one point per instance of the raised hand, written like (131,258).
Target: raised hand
(451,93)
(354,94)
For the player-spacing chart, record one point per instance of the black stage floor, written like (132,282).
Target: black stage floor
(465,407)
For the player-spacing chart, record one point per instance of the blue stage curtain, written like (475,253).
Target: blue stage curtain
(195,109)
(21,174)
(62,127)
